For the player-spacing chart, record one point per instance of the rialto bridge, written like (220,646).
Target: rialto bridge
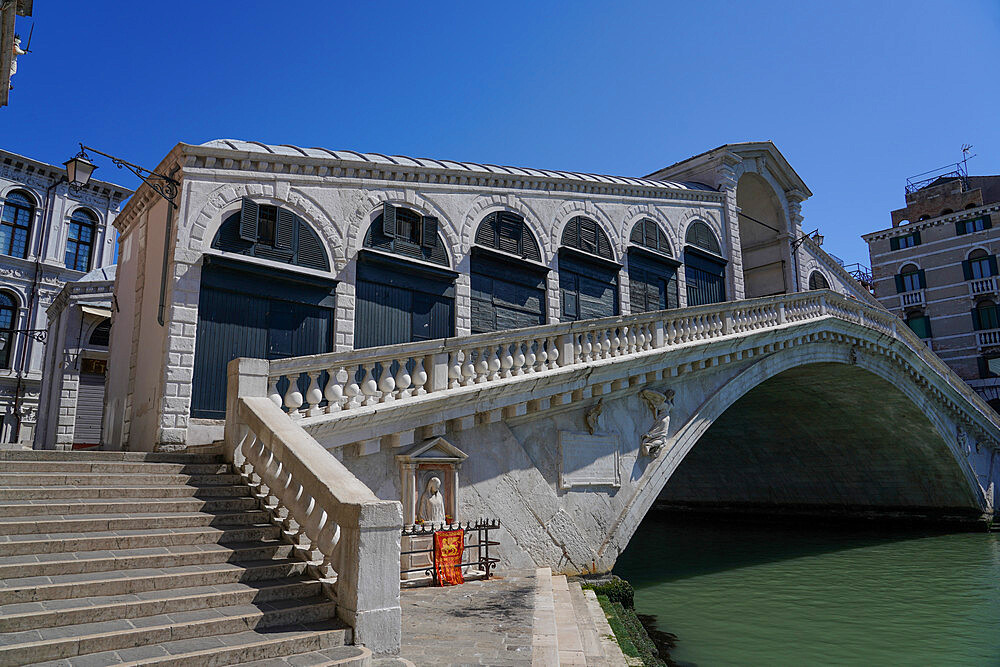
(569,433)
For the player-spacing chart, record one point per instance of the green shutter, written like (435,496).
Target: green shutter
(899,283)
(284,229)
(429,232)
(987,222)
(960,227)
(975,319)
(992,259)
(388,220)
(984,369)
(248,219)
(894,243)
(916,238)
(922,278)
(967,268)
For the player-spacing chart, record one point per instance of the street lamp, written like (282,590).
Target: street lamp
(814,235)
(79,170)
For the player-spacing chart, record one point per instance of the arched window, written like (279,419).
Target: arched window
(101,335)
(80,244)
(652,274)
(910,279)
(700,236)
(403,231)
(945,212)
(919,322)
(270,232)
(8,322)
(15,224)
(818,281)
(923,217)
(586,235)
(588,274)
(979,265)
(984,315)
(508,287)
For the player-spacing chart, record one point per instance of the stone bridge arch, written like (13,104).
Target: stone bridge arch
(955,490)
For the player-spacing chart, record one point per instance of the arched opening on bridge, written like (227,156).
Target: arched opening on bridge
(588,272)
(763,238)
(508,278)
(652,270)
(823,439)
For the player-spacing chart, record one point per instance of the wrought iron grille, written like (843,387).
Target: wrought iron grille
(475,551)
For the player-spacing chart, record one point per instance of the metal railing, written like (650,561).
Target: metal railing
(478,549)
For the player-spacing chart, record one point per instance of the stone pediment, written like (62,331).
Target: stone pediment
(433,450)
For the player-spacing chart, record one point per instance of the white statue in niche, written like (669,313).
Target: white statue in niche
(660,405)
(430,509)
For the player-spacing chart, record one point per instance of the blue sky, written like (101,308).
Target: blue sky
(857,95)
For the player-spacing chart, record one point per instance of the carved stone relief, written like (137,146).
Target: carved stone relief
(660,405)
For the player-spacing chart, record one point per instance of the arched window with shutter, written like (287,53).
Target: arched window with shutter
(398,299)
(588,274)
(101,335)
(80,241)
(818,281)
(507,277)
(979,265)
(704,266)
(15,223)
(272,233)
(919,322)
(910,279)
(985,316)
(8,322)
(652,270)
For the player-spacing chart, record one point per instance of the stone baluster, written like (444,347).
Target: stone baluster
(387,383)
(403,379)
(455,370)
(313,393)
(353,389)
(272,390)
(293,397)
(518,366)
(419,376)
(493,363)
(369,385)
(483,366)
(335,389)
(506,360)
(468,368)
(553,351)
(541,356)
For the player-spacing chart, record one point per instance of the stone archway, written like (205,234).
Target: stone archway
(767,268)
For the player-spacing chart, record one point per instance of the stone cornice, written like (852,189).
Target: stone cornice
(907,229)
(29,168)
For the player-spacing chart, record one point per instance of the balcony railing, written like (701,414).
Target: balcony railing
(915,298)
(981,286)
(989,338)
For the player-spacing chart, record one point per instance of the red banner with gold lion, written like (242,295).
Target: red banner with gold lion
(448,548)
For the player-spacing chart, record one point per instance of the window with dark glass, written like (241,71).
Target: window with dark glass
(973,225)
(818,281)
(80,244)
(910,279)
(979,265)
(920,323)
(903,242)
(8,317)
(984,316)
(101,335)
(15,224)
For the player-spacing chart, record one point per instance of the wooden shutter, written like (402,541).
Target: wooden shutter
(388,220)
(984,369)
(976,324)
(987,222)
(429,233)
(899,283)
(922,279)
(960,227)
(992,260)
(967,268)
(284,229)
(588,236)
(248,219)
(894,243)
(916,238)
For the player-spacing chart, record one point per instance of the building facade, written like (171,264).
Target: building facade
(936,268)
(279,251)
(75,367)
(49,235)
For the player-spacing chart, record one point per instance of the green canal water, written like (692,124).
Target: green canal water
(753,594)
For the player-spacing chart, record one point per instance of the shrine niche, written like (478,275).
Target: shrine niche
(428,480)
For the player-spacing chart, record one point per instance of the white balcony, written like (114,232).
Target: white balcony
(989,338)
(916,298)
(980,286)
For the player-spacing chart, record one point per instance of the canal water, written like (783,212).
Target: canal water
(739,593)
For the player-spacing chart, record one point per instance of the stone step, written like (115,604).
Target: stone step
(570,643)
(545,637)
(261,644)
(117,467)
(97,455)
(64,507)
(593,652)
(32,565)
(76,640)
(143,580)
(609,645)
(87,523)
(72,480)
(340,656)
(134,491)
(34,615)
(15,545)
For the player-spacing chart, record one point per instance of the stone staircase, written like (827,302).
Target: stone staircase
(152,558)
(570,627)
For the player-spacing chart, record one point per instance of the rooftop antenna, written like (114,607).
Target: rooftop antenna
(964,169)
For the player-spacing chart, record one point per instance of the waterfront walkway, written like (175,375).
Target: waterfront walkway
(520,618)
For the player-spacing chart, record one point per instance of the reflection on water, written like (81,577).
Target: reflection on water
(742,594)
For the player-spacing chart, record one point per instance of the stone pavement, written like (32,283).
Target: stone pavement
(477,623)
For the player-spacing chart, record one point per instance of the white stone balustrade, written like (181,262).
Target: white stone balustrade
(915,298)
(989,337)
(323,508)
(982,286)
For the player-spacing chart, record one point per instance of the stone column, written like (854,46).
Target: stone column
(726,182)
(794,280)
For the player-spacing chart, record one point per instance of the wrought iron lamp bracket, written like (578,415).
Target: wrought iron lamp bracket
(161,184)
